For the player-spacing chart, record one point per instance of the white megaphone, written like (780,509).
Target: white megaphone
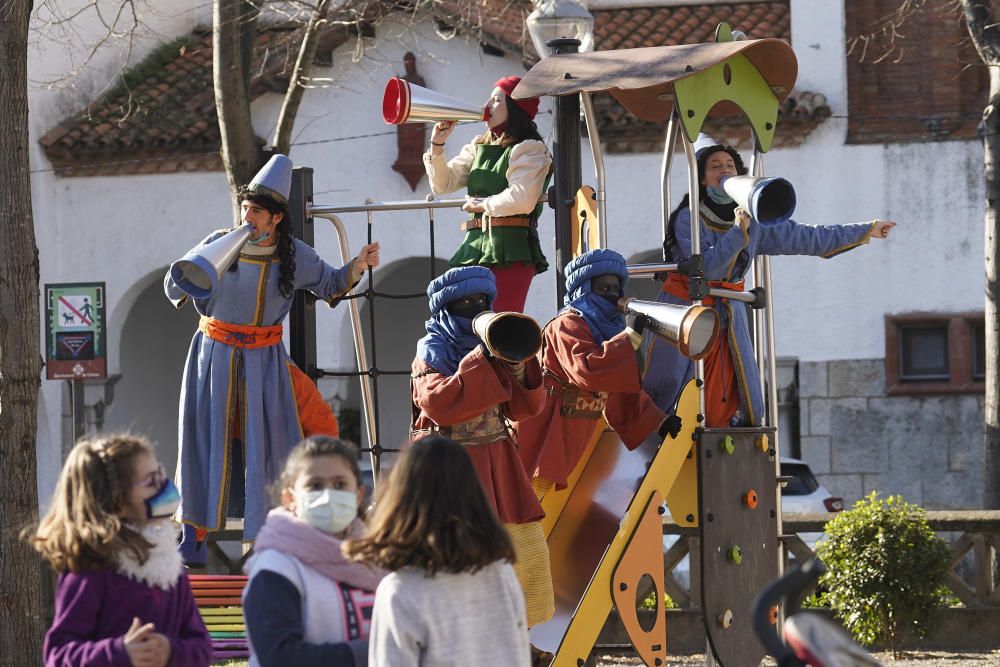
(691,329)
(768,200)
(405,102)
(198,272)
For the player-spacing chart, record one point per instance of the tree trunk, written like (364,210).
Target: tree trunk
(986,38)
(21,620)
(991,159)
(232,40)
(296,86)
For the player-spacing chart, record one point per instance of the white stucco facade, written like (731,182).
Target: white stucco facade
(126,230)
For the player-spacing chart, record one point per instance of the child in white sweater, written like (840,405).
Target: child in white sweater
(452,597)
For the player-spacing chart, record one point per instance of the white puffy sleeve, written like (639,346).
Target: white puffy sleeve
(449,176)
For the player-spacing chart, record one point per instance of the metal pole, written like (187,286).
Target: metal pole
(302,316)
(693,207)
(768,347)
(764,319)
(668,161)
(568,177)
(595,149)
(79,416)
(361,355)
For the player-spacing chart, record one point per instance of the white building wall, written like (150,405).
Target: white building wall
(121,229)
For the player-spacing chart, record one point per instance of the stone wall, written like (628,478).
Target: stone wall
(857,440)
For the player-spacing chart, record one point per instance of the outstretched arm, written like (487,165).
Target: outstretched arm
(325,281)
(791,238)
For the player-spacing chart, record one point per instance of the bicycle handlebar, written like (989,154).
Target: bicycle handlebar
(788,591)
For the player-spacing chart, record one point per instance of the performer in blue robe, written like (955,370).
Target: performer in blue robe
(238,417)
(730,240)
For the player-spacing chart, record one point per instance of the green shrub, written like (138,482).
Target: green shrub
(885,568)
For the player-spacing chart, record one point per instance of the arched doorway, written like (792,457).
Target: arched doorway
(153,345)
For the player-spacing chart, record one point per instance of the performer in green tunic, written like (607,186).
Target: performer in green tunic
(506,170)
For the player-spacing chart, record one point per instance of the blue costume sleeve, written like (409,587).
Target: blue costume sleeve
(175,294)
(315,275)
(273,610)
(791,238)
(719,257)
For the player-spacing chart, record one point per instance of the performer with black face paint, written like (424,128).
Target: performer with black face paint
(590,368)
(462,393)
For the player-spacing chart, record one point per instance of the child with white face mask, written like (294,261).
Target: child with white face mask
(304,603)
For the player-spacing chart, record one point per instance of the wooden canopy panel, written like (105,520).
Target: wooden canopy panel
(642,79)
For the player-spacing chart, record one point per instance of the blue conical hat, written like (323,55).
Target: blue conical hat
(274,179)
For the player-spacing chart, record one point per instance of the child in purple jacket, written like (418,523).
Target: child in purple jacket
(122,598)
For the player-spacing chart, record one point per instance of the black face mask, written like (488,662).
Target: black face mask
(610,298)
(469,307)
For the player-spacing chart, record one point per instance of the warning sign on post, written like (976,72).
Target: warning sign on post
(75,346)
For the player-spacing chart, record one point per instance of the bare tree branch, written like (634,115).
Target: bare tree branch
(983,29)
(296,86)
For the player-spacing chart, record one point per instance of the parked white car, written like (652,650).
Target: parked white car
(802,493)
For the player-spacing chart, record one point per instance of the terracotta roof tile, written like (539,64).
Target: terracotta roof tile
(165,119)
(666,26)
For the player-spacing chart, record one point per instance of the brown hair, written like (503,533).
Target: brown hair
(313,447)
(82,529)
(433,515)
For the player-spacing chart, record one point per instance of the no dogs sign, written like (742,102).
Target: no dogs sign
(75,346)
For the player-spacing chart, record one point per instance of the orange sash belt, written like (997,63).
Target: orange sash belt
(239,335)
(677,285)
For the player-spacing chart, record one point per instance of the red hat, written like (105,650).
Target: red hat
(529,105)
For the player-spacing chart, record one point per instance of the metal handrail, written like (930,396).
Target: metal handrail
(360,352)
(595,149)
(322,211)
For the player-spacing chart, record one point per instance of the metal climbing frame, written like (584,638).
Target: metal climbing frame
(302,211)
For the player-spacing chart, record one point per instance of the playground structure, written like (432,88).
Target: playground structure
(605,529)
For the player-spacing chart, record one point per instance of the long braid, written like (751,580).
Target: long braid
(286,256)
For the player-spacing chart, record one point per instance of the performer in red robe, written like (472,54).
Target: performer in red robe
(590,368)
(464,394)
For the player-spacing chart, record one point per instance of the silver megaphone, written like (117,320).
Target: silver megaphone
(768,200)
(691,329)
(198,272)
(405,102)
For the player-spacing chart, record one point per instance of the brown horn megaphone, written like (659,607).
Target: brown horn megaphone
(405,102)
(512,337)
(768,200)
(691,329)
(198,272)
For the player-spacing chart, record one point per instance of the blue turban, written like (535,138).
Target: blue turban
(450,338)
(604,319)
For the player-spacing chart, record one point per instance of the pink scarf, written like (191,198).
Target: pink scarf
(292,536)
